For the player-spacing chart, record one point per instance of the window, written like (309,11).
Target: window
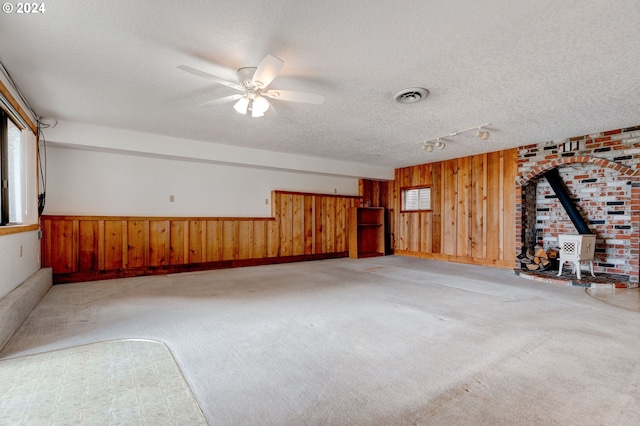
(416,199)
(11,171)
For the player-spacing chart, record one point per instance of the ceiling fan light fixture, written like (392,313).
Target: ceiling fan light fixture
(242,105)
(253,83)
(260,105)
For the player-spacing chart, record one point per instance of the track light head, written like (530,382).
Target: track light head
(427,147)
(483,134)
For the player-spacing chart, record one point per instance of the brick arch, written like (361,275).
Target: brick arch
(627,172)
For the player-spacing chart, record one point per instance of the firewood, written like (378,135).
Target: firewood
(536,260)
(544,261)
(540,253)
(529,253)
(532,266)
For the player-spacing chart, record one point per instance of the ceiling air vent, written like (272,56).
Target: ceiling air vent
(411,95)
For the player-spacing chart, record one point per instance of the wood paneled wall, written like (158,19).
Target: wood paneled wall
(303,227)
(473,215)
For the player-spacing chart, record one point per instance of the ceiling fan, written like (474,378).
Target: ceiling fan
(253,82)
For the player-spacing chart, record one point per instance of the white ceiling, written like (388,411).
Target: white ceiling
(538,71)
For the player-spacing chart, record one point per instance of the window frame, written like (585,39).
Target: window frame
(5,178)
(403,191)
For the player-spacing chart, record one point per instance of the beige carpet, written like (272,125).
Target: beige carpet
(121,382)
(379,341)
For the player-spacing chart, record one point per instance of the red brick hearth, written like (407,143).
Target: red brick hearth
(602,174)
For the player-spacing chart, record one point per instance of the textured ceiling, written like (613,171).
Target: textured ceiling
(538,71)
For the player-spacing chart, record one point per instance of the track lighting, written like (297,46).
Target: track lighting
(438,143)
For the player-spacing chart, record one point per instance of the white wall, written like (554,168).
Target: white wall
(85,182)
(14,267)
(94,170)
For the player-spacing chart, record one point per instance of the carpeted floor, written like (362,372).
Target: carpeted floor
(376,341)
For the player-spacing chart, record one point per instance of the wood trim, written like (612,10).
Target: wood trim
(142,218)
(277,191)
(15,104)
(505,264)
(16,229)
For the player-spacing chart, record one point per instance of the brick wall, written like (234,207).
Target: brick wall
(602,174)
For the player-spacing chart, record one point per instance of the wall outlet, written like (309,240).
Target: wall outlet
(171,198)
(266,201)
(20,251)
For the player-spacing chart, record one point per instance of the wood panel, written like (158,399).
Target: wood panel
(245,240)
(259,239)
(159,242)
(510,166)
(318,227)
(297,224)
(88,245)
(214,240)
(309,225)
(178,230)
(341,229)
(284,217)
(472,219)
(136,243)
(436,204)
(197,247)
(304,225)
(230,238)
(62,246)
(113,254)
(463,208)
(478,206)
(449,206)
(494,213)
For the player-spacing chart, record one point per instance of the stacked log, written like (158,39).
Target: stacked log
(536,258)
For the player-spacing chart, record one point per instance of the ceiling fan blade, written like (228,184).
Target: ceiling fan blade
(222,101)
(211,77)
(267,71)
(290,95)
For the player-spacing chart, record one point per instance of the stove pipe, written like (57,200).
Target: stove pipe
(557,184)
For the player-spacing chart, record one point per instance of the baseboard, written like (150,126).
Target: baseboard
(16,306)
(505,264)
(74,277)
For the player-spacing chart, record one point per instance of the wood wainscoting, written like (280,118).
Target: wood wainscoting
(304,226)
